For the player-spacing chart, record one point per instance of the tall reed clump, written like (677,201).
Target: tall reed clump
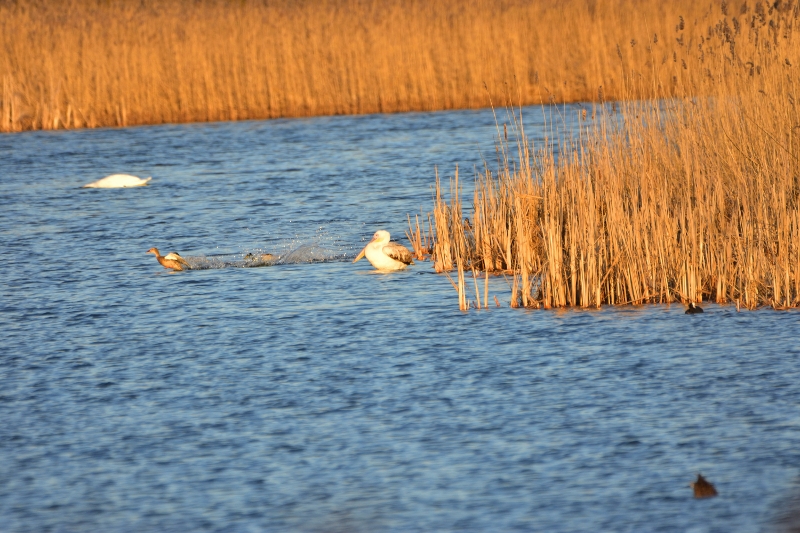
(690,196)
(87,63)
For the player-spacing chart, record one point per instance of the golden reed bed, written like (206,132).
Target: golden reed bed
(89,63)
(692,196)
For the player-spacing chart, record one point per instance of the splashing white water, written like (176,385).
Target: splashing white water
(314,252)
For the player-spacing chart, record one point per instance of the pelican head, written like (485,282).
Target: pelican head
(380,238)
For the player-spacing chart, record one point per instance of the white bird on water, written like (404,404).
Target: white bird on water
(117,181)
(385,255)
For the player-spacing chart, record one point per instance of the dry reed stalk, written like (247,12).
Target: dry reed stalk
(442,216)
(463,303)
(695,196)
(420,240)
(89,63)
(477,290)
(451,241)
(460,288)
(486,290)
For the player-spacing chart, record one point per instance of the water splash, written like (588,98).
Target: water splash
(314,252)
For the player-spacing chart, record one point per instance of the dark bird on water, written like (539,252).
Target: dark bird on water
(693,309)
(702,488)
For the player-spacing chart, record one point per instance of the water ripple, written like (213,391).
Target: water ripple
(314,395)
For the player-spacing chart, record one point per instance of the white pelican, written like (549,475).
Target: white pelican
(117,181)
(171,260)
(385,255)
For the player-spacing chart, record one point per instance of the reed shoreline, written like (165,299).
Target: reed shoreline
(691,193)
(106,63)
(690,197)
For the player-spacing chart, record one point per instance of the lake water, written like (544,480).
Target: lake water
(317,396)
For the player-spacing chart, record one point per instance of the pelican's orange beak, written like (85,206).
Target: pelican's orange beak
(360,255)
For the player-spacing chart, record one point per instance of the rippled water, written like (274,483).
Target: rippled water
(313,395)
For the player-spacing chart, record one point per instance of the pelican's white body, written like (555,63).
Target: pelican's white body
(117,181)
(381,253)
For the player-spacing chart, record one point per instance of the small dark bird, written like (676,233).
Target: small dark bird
(693,309)
(702,488)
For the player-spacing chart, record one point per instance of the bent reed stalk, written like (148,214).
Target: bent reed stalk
(90,63)
(686,197)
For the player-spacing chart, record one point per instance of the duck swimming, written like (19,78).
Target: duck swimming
(171,260)
(702,488)
(693,309)
(385,255)
(262,257)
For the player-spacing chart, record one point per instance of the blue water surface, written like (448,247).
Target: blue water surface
(317,396)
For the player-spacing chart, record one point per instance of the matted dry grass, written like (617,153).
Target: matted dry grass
(692,196)
(87,63)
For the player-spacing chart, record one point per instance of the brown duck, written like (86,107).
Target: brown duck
(702,488)
(171,260)
(262,257)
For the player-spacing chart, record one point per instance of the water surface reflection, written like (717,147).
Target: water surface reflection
(311,396)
